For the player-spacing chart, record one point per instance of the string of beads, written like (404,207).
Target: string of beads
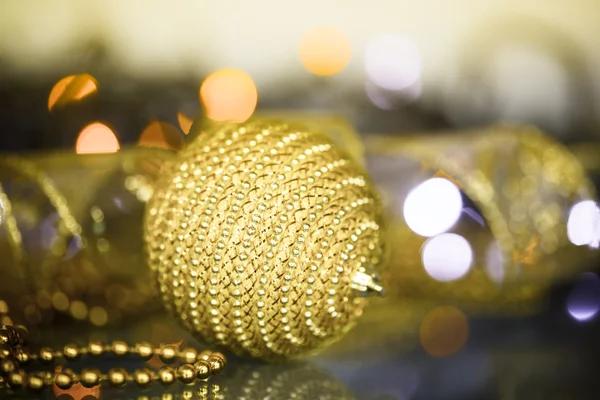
(15,357)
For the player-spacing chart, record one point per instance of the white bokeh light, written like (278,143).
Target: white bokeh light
(583,302)
(583,225)
(494,263)
(432,207)
(583,313)
(391,99)
(393,62)
(447,257)
(378,96)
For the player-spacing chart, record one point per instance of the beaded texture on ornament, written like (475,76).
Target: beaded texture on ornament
(14,356)
(256,233)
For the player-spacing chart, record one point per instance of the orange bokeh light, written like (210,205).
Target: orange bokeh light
(58,89)
(185,123)
(77,391)
(444,331)
(72,88)
(97,138)
(229,95)
(162,135)
(324,51)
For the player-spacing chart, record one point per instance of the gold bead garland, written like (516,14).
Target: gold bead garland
(262,237)
(14,357)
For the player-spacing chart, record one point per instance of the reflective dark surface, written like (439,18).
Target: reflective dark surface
(548,356)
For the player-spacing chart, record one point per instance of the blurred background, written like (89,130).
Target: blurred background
(99,76)
(386,66)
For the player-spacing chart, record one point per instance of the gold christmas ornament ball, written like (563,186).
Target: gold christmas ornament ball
(265,239)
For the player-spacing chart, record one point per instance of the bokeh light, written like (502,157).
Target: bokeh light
(433,207)
(96,138)
(98,316)
(391,99)
(324,51)
(381,98)
(447,257)
(229,95)
(393,62)
(185,123)
(2,211)
(58,89)
(583,302)
(72,88)
(75,245)
(583,225)
(444,331)
(494,262)
(48,233)
(161,135)
(75,392)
